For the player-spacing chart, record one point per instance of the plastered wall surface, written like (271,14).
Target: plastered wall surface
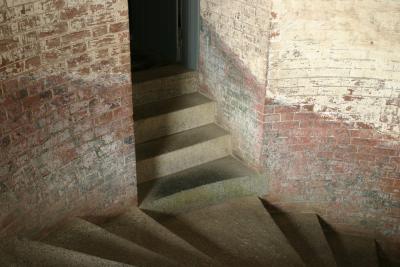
(66,129)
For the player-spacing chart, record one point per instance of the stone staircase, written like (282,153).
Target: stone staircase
(184,159)
(239,232)
(198,204)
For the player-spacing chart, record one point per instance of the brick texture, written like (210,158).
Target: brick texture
(346,173)
(310,91)
(66,129)
(332,136)
(233,62)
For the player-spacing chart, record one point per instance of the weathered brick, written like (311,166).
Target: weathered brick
(12,70)
(345,100)
(52,56)
(286,125)
(272,118)
(105,40)
(96,7)
(287,117)
(53,30)
(79,48)
(103,65)
(125,59)
(123,69)
(119,27)
(75,36)
(123,37)
(31,101)
(78,24)
(364,142)
(52,43)
(73,12)
(32,63)
(305,117)
(10,86)
(77,61)
(99,31)
(47,82)
(105,118)
(286,109)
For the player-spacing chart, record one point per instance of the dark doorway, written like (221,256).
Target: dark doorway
(164,32)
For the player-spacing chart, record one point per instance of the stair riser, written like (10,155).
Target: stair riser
(165,88)
(174,122)
(207,195)
(237,233)
(32,253)
(305,234)
(84,237)
(141,229)
(182,159)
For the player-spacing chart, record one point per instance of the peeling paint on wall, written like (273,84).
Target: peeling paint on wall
(325,89)
(341,57)
(332,115)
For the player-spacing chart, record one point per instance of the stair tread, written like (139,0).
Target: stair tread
(85,237)
(237,233)
(178,141)
(7,260)
(173,116)
(211,172)
(170,105)
(160,72)
(155,90)
(140,228)
(33,253)
(305,234)
(353,251)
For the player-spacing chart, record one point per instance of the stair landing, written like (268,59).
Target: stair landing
(201,186)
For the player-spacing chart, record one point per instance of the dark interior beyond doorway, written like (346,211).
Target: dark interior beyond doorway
(155,33)
(164,32)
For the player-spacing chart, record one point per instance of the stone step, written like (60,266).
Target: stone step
(353,251)
(181,151)
(9,260)
(201,186)
(173,115)
(236,233)
(306,236)
(163,83)
(141,229)
(82,236)
(37,254)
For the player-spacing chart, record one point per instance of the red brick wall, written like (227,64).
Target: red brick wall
(332,136)
(329,74)
(66,129)
(233,62)
(346,172)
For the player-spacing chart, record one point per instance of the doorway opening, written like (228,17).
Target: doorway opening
(164,37)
